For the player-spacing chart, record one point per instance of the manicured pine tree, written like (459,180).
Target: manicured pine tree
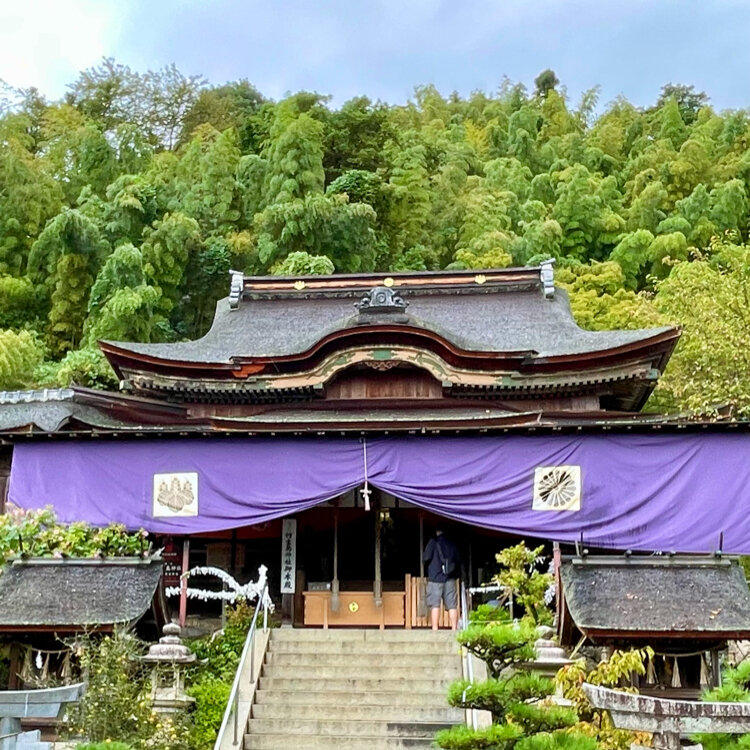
(523,717)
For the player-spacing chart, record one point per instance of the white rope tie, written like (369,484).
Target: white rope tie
(365,491)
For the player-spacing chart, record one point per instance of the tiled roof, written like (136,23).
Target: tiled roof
(492,319)
(48,410)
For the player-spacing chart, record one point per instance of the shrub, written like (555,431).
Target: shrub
(489,613)
(499,645)
(495,695)
(524,717)
(520,576)
(211,695)
(612,673)
(116,707)
(735,688)
(210,680)
(38,533)
(557,741)
(104,746)
(536,718)
(495,737)
(221,652)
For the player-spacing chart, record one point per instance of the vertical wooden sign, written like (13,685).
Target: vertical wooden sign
(172,563)
(288,555)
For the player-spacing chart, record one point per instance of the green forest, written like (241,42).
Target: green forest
(124,205)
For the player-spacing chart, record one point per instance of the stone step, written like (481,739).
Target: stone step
(395,711)
(354,670)
(365,660)
(359,684)
(358,634)
(345,728)
(434,646)
(284,742)
(320,697)
(354,690)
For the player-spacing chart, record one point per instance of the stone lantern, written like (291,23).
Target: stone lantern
(169,654)
(550,658)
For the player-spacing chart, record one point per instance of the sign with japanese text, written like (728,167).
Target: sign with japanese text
(171,555)
(288,555)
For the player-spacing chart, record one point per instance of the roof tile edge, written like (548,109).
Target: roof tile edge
(418,280)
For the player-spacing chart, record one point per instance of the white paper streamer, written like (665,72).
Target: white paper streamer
(249,591)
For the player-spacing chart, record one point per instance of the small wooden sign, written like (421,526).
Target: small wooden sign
(288,555)
(172,563)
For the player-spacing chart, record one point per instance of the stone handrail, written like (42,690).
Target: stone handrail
(668,719)
(46,703)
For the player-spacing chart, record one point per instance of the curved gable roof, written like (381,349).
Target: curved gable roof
(491,321)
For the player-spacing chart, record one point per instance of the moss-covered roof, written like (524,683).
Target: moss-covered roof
(665,596)
(76,594)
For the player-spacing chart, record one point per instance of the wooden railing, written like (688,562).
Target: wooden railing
(417,614)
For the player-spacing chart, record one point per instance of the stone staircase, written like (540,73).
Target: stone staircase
(354,690)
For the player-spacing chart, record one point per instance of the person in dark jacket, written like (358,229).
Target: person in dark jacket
(443,566)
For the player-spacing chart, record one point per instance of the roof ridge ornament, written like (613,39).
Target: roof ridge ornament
(547,277)
(236,287)
(381,300)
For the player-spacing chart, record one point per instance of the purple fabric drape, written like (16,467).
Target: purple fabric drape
(644,492)
(240,483)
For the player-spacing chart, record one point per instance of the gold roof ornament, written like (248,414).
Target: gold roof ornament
(480,278)
(299,285)
(388,281)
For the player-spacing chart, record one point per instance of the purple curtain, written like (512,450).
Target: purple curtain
(644,492)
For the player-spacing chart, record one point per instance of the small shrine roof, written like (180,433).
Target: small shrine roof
(75,594)
(508,311)
(614,597)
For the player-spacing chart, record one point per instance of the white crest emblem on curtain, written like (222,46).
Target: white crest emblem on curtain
(557,488)
(175,495)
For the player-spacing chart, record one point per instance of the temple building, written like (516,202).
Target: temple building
(325,426)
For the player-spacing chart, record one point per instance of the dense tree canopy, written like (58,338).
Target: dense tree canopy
(123,207)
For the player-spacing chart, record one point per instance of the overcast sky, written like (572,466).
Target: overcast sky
(383,48)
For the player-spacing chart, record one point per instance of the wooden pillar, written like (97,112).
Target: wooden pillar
(15,667)
(421,589)
(5,457)
(715,668)
(233,552)
(557,563)
(183,580)
(335,582)
(407,602)
(378,585)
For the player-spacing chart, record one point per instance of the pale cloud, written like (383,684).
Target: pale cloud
(45,43)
